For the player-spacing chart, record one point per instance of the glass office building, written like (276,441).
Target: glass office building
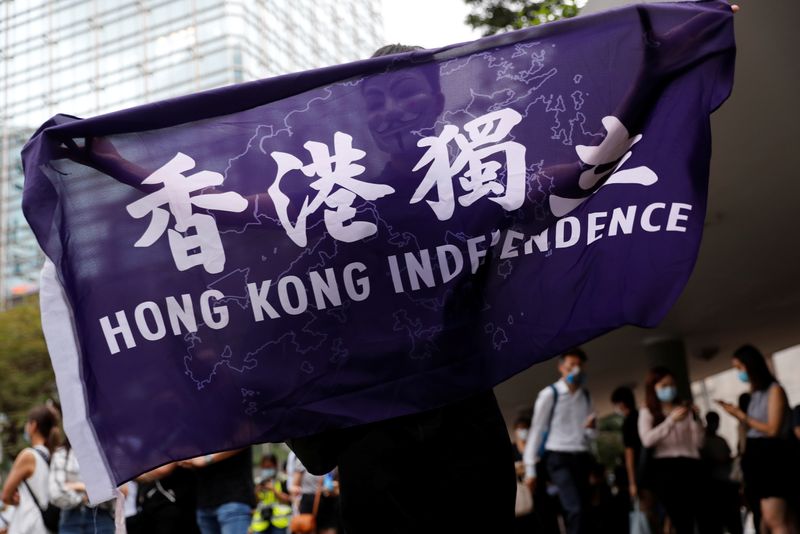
(86,57)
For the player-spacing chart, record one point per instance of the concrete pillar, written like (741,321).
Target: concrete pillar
(671,353)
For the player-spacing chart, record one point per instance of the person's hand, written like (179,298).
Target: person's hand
(732,409)
(15,498)
(591,421)
(735,8)
(519,467)
(194,463)
(78,487)
(633,491)
(531,483)
(679,413)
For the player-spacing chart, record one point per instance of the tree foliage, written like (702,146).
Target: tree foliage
(26,376)
(493,16)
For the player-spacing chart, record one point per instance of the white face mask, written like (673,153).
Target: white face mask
(522,434)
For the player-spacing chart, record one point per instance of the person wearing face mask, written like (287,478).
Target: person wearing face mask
(562,428)
(273,510)
(519,438)
(671,429)
(26,483)
(770,460)
(524,522)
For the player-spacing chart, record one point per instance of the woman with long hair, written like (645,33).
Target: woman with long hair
(769,463)
(26,484)
(68,493)
(670,428)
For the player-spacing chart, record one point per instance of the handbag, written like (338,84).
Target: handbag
(638,520)
(307,523)
(50,515)
(524,502)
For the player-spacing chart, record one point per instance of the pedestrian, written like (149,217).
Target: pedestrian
(562,428)
(68,492)
(752,502)
(319,495)
(225,491)
(26,483)
(273,509)
(770,461)
(524,522)
(625,406)
(724,492)
(670,427)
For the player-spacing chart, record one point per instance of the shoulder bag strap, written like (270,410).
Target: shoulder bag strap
(546,430)
(33,496)
(552,410)
(43,456)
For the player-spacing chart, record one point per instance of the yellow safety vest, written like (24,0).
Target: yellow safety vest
(281,513)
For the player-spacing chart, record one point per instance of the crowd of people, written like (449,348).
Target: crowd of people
(676,474)
(217,493)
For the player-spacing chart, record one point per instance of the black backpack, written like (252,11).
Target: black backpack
(52,514)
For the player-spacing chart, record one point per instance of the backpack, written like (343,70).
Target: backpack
(52,514)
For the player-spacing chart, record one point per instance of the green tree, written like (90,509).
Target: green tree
(493,16)
(26,376)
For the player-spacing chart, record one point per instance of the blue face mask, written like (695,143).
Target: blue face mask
(743,376)
(267,473)
(666,394)
(576,377)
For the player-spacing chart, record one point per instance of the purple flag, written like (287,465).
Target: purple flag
(355,243)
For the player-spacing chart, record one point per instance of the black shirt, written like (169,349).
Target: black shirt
(420,473)
(229,480)
(630,433)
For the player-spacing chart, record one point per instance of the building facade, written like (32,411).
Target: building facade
(87,57)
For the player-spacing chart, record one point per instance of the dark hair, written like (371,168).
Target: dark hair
(712,422)
(429,70)
(624,395)
(270,458)
(388,50)
(744,402)
(654,376)
(524,421)
(46,420)
(756,366)
(574,351)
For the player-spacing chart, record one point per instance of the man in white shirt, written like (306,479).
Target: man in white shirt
(561,431)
